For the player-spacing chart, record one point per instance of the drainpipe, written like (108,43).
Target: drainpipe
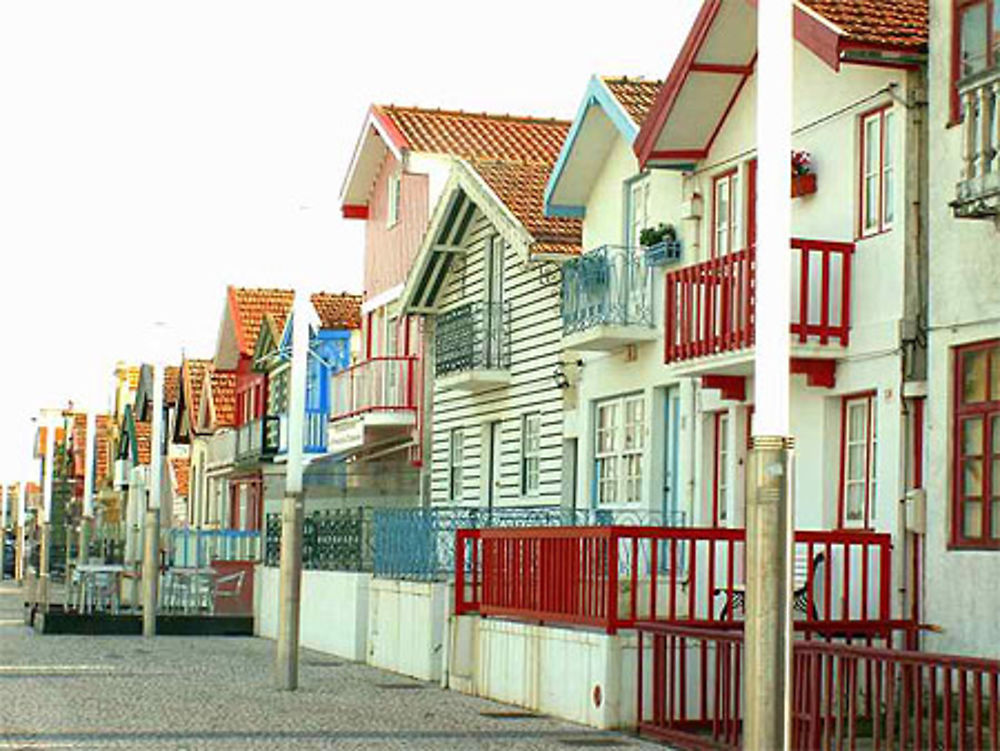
(770,515)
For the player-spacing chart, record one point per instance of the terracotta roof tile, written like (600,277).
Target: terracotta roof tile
(477,135)
(224,398)
(341,311)
(249,306)
(636,95)
(182,474)
(102,423)
(171,384)
(143,440)
(34,496)
(192,376)
(893,23)
(521,187)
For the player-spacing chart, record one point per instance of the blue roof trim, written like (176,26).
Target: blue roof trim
(597,95)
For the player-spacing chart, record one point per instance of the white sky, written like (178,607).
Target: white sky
(151,153)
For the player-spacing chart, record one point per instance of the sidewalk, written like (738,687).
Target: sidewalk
(85,692)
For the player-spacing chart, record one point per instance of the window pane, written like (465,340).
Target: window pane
(857,421)
(888,172)
(974,376)
(972,437)
(972,477)
(856,463)
(995,366)
(996,434)
(855,502)
(871,196)
(972,519)
(995,519)
(972,44)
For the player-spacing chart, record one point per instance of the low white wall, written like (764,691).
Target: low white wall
(406,627)
(334,610)
(583,676)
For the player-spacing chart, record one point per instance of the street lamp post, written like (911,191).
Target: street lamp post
(87,517)
(151,526)
(287,654)
(770,507)
(49,422)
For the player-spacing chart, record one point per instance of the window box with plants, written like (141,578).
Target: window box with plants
(660,244)
(803,177)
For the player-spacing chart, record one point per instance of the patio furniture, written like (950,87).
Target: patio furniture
(228,587)
(800,588)
(98,587)
(188,589)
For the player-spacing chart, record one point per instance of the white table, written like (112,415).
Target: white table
(93,582)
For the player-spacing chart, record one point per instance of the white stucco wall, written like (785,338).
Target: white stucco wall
(961,595)
(406,627)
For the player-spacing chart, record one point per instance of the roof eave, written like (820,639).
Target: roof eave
(394,141)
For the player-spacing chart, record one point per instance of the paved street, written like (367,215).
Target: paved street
(182,693)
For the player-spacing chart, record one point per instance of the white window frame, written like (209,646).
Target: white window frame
(392,200)
(877,171)
(619,450)
(637,209)
(531,430)
(727,221)
(456,452)
(865,476)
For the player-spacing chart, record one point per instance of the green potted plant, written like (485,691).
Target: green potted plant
(661,244)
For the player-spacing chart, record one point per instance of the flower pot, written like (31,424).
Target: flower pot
(803,185)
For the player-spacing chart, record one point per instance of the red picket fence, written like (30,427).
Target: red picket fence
(844,696)
(612,577)
(710,306)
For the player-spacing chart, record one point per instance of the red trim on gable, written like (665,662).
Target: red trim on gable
(237,323)
(394,133)
(739,70)
(818,38)
(679,154)
(732,103)
(354,211)
(645,142)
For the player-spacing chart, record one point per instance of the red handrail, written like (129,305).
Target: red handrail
(710,306)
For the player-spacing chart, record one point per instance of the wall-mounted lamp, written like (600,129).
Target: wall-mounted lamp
(561,377)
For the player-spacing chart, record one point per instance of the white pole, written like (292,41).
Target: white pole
(22,502)
(88,486)
(151,547)
(287,655)
(46,528)
(769,502)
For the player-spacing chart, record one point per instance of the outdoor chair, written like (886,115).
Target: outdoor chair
(800,589)
(228,587)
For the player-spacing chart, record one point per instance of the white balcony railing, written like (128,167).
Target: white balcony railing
(381,384)
(221,448)
(978,192)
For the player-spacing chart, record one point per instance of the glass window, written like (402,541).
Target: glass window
(859,477)
(531,427)
(638,208)
(878,171)
(976,515)
(720,470)
(973,43)
(619,446)
(455,450)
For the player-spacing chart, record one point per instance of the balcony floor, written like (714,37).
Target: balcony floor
(607,338)
(473,380)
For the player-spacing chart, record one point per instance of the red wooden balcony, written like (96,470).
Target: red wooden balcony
(710,305)
(614,577)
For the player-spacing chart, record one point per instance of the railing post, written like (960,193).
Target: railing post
(459,572)
(611,615)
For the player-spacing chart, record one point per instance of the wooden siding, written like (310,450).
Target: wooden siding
(389,251)
(535,346)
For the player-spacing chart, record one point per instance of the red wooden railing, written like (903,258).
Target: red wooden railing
(844,696)
(710,306)
(379,384)
(612,577)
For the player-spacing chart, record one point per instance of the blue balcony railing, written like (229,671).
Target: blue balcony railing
(420,543)
(609,286)
(313,433)
(475,336)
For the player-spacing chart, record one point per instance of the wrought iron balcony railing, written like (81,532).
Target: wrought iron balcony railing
(475,336)
(257,438)
(978,192)
(609,286)
(380,384)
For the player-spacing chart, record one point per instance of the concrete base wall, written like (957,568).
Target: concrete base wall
(334,610)
(582,676)
(406,627)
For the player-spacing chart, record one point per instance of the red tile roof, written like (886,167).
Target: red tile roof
(636,95)
(473,135)
(182,474)
(171,384)
(521,187)
(341,311)
(102,424)
(248,308)
(224,398)
(143,441)
(192,375)
(882,23)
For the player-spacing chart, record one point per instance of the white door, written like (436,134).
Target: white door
(493,486)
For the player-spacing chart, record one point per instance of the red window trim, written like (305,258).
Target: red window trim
(727,175)
(255,502)
(870,395)
(881,229)
(986,409)
(958,7)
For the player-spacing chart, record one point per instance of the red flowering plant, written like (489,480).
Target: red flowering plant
(801,163)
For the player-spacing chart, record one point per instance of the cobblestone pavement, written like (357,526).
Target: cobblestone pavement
(82,692)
